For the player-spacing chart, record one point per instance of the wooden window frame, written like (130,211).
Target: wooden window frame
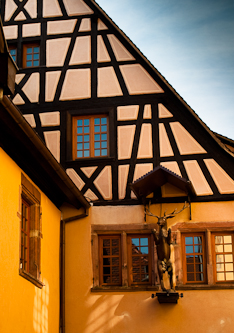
(123,231)
(184,254)
(131,255)
(31,197)
(214,253)
(111,256)
(24,60)
(91,133)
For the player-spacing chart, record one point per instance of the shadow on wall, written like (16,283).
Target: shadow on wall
(40,309)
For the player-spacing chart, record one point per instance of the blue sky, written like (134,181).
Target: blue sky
(191,43)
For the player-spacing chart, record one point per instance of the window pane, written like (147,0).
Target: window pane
(115,261)
(104,144)
(144,250)
(190,268)
(97,152)
(106,270)
(104,137)
(29,56)
(79,154)
(36,63)
(229,267)
(197,248)
(104,121)
(227,239)
(86,129)
(29,50)
(36,56)
(228,257)
(104,128)
(189,259)
(97,121)
(36,49)
(97,145)
(106,261)
(104,152)
(218,248)
(219,267)
(135,241)
(188,240)
(79,130)
(115,251)
(86,145)
(79,138)
(97,137)
(228,248)
(86,138)
(79,122)
(197,240)
(29,63)
(189,249)
(229,276)
(218,239)
(96,129)
(220,277)
(79,146)
(86,153)
(86,122)
(190,277)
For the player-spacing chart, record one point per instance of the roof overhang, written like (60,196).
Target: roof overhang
(158,177)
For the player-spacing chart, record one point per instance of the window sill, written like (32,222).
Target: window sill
(31,278)
(204,286)
(124,289)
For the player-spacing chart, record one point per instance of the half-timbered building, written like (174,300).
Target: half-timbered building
(136,151)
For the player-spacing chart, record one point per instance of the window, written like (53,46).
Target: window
(13,52)
(223,253)
(30,233)
(123,258)
(31,55)
(194,259)
(90,136)
(110,260)
(139,259)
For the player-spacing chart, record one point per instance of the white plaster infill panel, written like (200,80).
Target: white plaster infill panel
(138,80)
(108,84)
(81,53)
(20,17)
(223,181)
(88,171)
(141,170)
(18,100)
(56,51)
(90,196)
(77,7)
(103,183)
(102,53)
(30,119)
(32,87)
(51,8)
(197,178)
(127,112)
(52,139)
(125,141)
(164,142)
(60,27)
(31,7)
(18,78)
(101,25)
(77,84)
(75,178)
(10,9)
(50,118)
(172,166)
(147,112)
(85,25)
(145,143)
(11,32)
(52,79)
(121,53)
(163,112)
(33,29)
(122,179)
(185,141)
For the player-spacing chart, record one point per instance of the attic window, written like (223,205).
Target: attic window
(90,136)
(31,55)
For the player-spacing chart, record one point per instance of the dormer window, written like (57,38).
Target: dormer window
(31,55)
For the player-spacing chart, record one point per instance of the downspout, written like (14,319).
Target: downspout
(62,266)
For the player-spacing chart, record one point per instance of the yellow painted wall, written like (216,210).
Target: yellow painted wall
(203,311)
(24,308)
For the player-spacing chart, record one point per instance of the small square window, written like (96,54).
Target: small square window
(91,132)
(31,55)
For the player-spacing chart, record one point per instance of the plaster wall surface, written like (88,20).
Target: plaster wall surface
(24,308)
(203,311)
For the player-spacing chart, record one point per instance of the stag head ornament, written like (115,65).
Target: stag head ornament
(163,241)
